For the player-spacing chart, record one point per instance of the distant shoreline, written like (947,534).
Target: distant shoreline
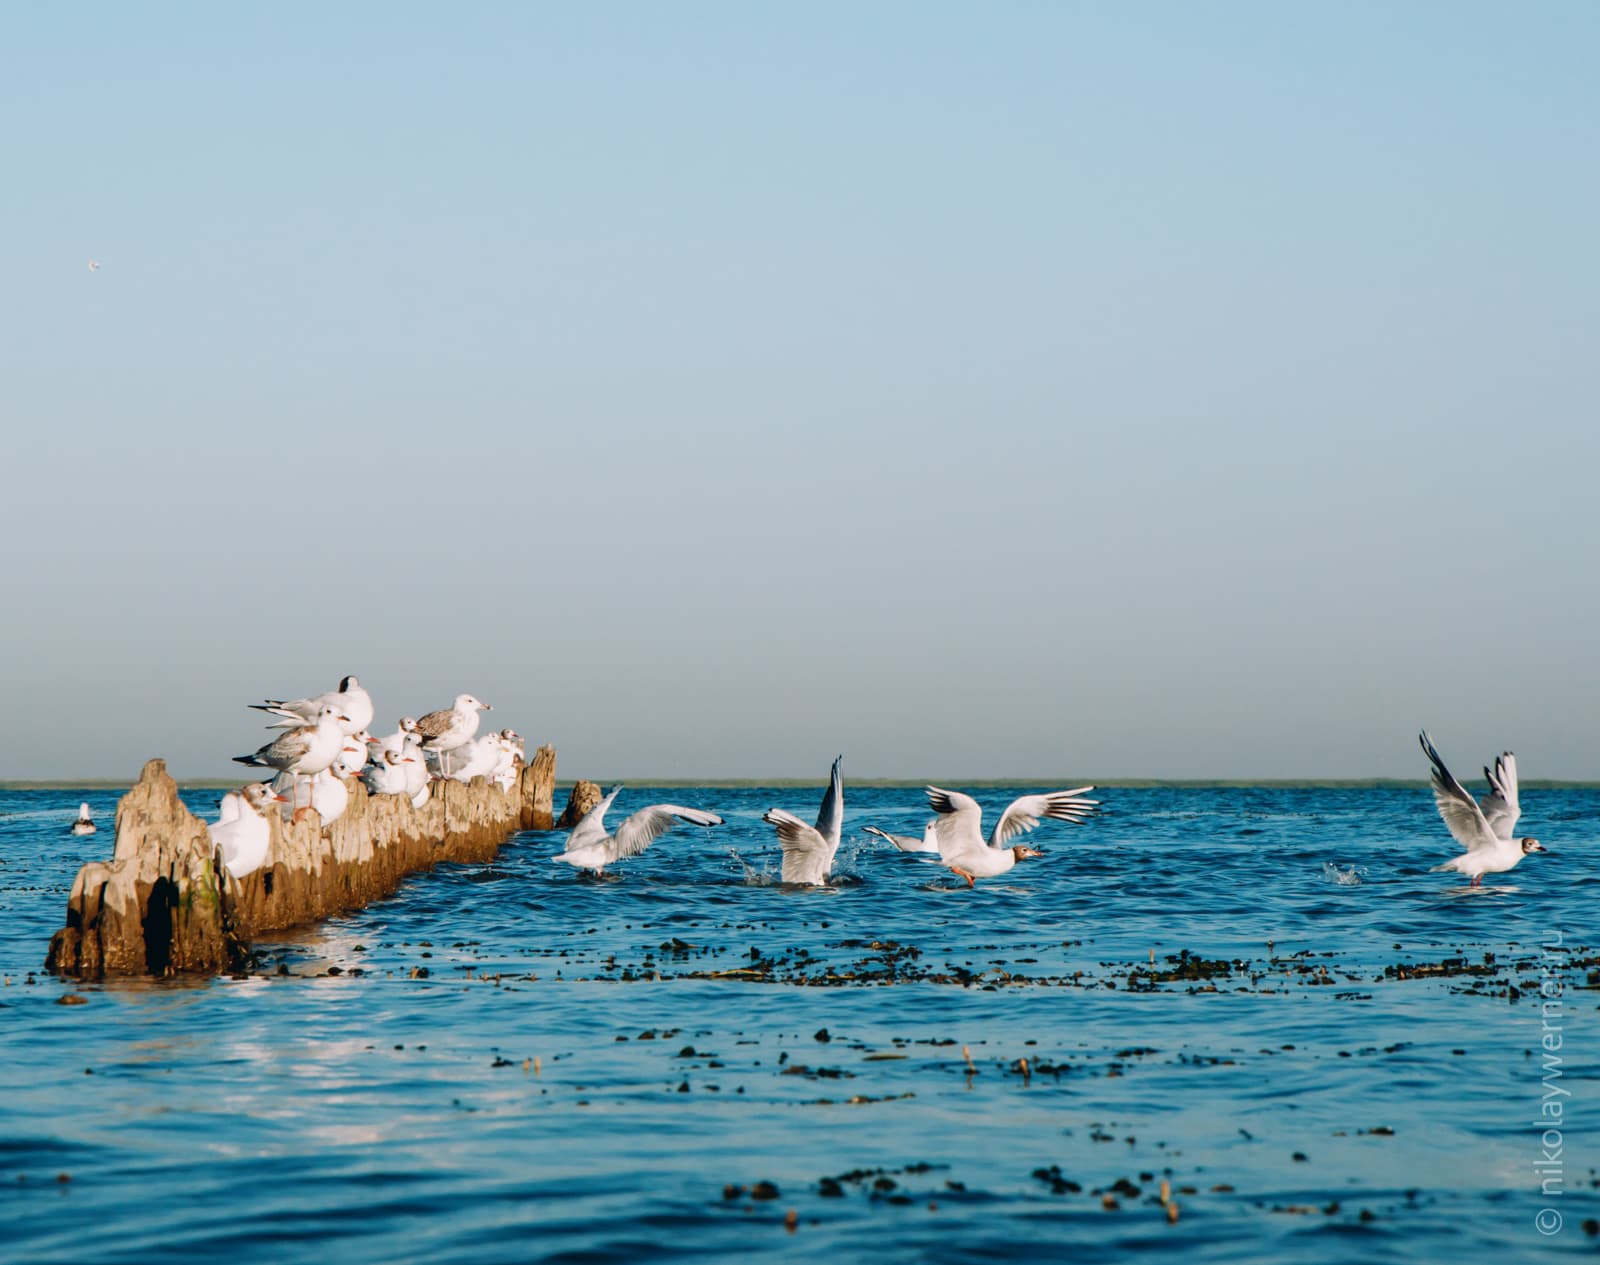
(781,783)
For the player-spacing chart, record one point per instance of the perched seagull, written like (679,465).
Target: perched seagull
(1482,828)
(480,755)
(959,828)
(387,775)
(808,851)
(353,702)
(589,847)
(352,757)
(416,767)
(325,792)
(309,750)
(509,758)
(928,842)
(443,731)
(242,832)
(84,825)
(395,742)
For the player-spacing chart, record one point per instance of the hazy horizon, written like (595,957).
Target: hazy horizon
(1196,392)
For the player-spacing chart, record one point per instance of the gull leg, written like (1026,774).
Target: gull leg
(963,874)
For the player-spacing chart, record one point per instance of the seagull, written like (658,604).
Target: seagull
(444,731)
(387,775)
(808,851)
(325,792)
(242,832)
(353,702)
(308,750)
(395,742)
(928,842)
(1482,828)
(84,825)
(352,757)
(94,265)
(958,828)
(589,847)
(482,754)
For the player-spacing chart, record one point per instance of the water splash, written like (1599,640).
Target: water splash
(753,877)
(1347,876)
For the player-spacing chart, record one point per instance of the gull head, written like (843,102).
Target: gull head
(1531,845)
(259,793)
(465,702)
(1021,851)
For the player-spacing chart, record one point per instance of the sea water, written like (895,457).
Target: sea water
(686,1059)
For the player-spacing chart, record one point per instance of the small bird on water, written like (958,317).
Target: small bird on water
(84,825)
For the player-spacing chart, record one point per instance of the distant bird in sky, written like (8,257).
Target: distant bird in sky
(1482,827)
(94,265)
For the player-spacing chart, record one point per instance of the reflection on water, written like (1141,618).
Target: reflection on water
(1258,996)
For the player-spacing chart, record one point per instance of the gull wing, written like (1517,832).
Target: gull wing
(436,723)
(1500,807)
(290,747)
(1024,814)
(591,827)
(959,825)
(648,824)
(1459,810)
(908,843)
(805,849)
(830,821)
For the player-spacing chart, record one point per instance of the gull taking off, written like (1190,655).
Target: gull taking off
(1484,827)
(84,825)
(808,852)
(959,828)
(589,847)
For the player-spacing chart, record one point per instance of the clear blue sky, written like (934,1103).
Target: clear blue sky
(1083,389)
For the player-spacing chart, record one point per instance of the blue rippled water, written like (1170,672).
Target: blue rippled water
(1258,996)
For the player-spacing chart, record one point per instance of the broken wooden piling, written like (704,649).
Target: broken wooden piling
(162,906)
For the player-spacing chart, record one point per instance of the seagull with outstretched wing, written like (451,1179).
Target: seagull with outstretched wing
(1483,827)
(958,828)
(808,851)
(589,847)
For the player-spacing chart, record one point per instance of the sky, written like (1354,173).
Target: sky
(1035,390)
